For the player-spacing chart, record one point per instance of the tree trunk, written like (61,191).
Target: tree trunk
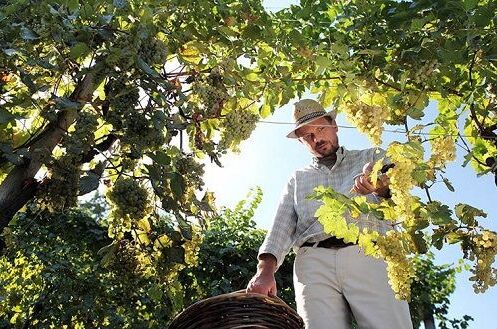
(20,186)
(429,321)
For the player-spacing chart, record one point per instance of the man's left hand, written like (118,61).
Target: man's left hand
(363,184)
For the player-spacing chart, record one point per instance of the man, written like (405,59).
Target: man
(333,280)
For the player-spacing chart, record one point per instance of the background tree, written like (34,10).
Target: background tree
(58,271)
(431,288)
(228,255)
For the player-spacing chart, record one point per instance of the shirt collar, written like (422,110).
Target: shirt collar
(341,153)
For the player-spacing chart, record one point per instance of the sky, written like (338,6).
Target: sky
(268,159)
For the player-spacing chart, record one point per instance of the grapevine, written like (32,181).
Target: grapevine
(238,126)
(369,119)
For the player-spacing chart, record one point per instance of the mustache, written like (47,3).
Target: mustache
(319,144)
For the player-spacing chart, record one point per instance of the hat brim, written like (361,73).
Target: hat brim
(331,114)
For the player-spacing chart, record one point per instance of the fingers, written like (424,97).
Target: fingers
(366,169)
(273,291)
(362,185)
(262,286)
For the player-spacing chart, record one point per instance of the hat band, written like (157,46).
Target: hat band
(309,116)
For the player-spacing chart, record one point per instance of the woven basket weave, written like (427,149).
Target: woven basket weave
(238,310)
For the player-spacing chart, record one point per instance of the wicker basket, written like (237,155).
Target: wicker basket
(238,310)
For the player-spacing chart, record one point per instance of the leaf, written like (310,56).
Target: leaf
(470,4)
(79,50)
(227,31)
(141,237)
(26,79)
(185,227)
(174,254)
(190,52)
(323,62)
(108,253)
(252,76)
(177,184)
(6,116)
(419,242)
(142,65)
(265,111)
(73,5)
(160,157)
(154,292)
(467,214)
(437,239)
(144,225)
(440,214)
(448,184)
(208,202)
(375,171)
(88,183)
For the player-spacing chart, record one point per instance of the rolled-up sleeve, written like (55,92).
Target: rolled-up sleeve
(281,236)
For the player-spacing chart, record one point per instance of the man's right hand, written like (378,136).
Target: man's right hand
(263,282)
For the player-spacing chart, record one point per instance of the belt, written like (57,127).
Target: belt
(331,242)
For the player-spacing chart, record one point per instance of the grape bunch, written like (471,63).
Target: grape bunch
(82,139)
(211,98)
(369,119)
(426,71)
(138,130)
(123,100)
(153,51)
(126,259)
(401,183)
(238,126)
(130,198)
(191,170)
(392,248)
(443,150)
(60,190)
(484,249)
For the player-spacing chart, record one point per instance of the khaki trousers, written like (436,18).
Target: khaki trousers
(330,284)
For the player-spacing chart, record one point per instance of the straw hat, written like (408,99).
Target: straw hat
(307,110)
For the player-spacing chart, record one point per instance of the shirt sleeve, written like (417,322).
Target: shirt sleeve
(280,236)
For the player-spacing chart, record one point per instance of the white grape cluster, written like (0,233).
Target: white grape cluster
(130,198)
(443,150)
(238,126)
(210,98)
(60,190)
(191,170)
(426,71)
(369,119)
(391,247)
(81,140)
(401,183)
(483,251)
(153,51)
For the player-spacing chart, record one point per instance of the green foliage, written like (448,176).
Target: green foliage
(110,91)
(64,270)
(228,254)
(431,289)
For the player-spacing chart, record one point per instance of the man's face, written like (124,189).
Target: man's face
(319,136)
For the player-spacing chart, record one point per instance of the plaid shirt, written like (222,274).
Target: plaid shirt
(295,223)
